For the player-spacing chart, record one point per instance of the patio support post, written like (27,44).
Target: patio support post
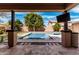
(12,36)
(12,19)
(65,24)
(66,35)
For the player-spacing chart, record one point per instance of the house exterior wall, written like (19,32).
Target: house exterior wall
(75,27)
(50,26)
(3,27)
(24,28)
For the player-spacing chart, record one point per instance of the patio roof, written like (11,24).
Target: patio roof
(36,6)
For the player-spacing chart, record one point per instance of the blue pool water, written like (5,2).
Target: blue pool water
(38,36)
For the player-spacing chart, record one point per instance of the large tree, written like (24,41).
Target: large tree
(34,21)
(18,24)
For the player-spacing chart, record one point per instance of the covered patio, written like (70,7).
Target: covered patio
(25,48)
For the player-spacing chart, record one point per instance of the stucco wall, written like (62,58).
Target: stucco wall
(24,29)
(75,27)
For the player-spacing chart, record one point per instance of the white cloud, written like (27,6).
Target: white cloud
(21,12)
(75,20)
(45,16)
(5,14)
(4,20)
(74,16)
(39,12)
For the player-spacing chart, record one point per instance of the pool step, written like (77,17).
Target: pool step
(36,43)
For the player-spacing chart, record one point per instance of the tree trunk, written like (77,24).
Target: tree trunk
(34,28)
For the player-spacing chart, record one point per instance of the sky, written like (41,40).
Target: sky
(74,14)
(45,15)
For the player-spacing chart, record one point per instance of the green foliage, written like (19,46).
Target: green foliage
(1,39)
(17,24)
(9,22)
(34,21)
(56,27)
(1,31)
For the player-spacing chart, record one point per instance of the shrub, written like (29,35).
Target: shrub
(1,39)
(1,31)
(56,27)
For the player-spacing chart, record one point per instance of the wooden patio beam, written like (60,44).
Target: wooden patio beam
(35,6)
(70,6)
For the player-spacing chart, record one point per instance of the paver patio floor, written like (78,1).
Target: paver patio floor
(27,49)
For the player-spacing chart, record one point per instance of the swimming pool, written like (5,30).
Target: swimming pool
(37,35)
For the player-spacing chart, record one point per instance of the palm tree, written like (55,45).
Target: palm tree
(34,21)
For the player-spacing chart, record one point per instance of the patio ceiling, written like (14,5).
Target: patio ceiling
(36,6)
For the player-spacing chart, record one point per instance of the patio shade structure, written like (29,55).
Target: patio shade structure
(36,6)
(21,7)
